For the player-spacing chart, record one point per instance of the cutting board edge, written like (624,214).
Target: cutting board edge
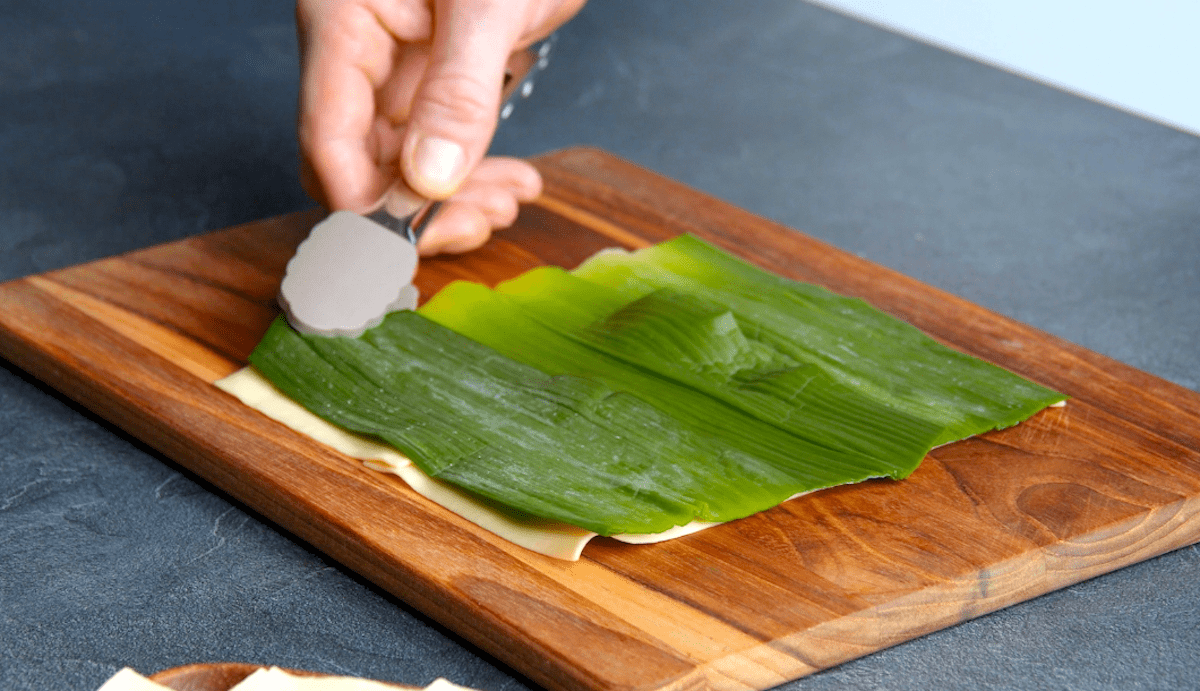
(48,370)
(721,674)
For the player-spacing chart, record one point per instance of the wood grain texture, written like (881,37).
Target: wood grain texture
(1111,479)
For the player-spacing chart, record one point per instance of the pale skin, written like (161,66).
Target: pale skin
(409,90)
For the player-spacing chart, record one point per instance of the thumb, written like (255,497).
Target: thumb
(455,108)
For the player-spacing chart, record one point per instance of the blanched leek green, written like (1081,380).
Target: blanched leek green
(648,390)
(565,447)
(857,344)
(688,357)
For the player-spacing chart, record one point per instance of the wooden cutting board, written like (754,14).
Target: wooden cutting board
(1111,479)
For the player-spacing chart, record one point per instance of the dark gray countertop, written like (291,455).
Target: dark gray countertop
(130,122)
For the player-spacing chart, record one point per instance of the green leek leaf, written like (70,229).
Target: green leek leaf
(854,342)
(689,358)
(565,447)
(648,390)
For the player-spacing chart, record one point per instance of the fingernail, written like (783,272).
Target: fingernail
(439,163)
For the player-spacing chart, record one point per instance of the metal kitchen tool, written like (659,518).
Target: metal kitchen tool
(352,270)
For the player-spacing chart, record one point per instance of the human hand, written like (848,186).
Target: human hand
(410,89)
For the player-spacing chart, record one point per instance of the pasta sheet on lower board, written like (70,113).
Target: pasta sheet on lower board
(550,538)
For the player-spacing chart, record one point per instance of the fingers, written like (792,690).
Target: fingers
(336,115)
(380,89)
(514,174)
(489,199)
(454,111)
(457,228)
(396,96)
(348,50)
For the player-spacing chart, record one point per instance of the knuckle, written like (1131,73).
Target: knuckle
(459,98)
(504,210)
(529,186)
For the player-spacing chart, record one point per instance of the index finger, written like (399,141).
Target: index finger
(345,61)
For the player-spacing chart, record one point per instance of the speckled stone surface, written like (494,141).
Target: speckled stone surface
(127,123)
